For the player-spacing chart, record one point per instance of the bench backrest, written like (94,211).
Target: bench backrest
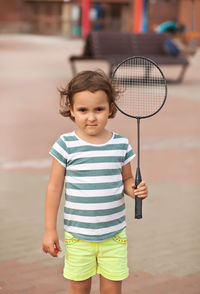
(99,44)
(151,43)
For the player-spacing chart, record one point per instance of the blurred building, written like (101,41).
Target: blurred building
(63,17)
(12,16)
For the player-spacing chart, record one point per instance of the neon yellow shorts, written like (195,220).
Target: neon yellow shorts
(84,259)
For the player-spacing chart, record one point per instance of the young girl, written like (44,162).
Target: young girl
(94,165)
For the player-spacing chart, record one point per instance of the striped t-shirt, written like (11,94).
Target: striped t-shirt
(94,199)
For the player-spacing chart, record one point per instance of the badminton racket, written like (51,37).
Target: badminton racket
(143,92)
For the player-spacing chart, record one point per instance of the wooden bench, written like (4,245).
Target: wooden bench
(113,47)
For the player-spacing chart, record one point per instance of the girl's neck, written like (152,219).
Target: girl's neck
(97,140)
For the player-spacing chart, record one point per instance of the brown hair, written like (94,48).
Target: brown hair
(86,81)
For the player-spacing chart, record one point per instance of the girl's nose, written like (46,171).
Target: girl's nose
(91,116)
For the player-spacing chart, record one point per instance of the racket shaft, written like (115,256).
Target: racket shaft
(138,201)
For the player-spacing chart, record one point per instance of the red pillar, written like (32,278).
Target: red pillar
(137,16)
(85,18)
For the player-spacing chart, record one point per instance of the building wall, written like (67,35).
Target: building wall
(44,17)
(160,11)
(55,16)
(189,15)
(11,10)
(11,15)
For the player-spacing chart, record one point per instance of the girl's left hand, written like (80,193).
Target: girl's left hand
(141,191)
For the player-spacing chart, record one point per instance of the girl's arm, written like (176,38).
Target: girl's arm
(53,196)
(129,183)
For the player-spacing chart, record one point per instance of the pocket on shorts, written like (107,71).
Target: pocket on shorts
(121,237)
(70,239)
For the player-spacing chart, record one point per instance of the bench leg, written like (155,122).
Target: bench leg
(182,73)
(73,67)
(180,77)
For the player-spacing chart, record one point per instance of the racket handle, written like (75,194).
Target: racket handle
(138,201)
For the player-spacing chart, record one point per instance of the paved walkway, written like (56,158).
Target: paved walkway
(164,255)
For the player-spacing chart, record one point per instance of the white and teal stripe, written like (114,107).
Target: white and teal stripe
(94,207)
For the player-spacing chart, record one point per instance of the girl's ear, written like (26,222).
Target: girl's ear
(71,109)
(111,108)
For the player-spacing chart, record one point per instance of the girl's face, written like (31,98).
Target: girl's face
(91,112)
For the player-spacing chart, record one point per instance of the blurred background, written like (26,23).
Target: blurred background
(65,17)
(37,39)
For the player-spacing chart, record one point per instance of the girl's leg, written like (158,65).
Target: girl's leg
(80,287)
(111,287)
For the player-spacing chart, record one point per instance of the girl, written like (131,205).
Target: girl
(94,165)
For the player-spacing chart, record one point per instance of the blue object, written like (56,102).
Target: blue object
(171,48)
(145,13)
(165,26)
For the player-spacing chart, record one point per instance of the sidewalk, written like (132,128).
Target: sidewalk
(164,255)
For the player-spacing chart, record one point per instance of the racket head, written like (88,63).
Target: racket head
(141,85)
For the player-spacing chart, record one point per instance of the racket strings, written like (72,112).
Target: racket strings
(141,85)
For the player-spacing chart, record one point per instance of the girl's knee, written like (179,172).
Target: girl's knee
(109,286)
(80,287)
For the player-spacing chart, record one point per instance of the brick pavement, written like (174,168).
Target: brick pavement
(164,255)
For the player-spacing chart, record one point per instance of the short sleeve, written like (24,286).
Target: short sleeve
(129,155)
(59,151)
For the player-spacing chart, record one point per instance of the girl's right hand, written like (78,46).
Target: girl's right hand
(49,242)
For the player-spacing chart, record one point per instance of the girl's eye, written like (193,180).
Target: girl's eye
(99,109)
(82,110)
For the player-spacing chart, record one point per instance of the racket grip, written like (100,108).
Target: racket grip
(138,201)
